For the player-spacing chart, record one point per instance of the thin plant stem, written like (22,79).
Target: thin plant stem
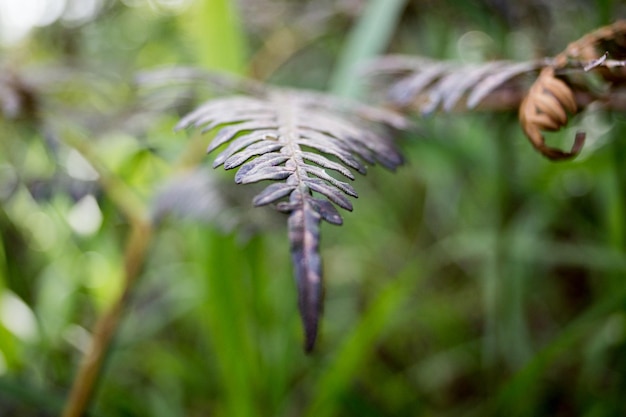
(138,243)
(131,206)
(89,372)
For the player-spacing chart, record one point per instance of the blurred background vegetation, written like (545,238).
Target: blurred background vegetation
(479,279)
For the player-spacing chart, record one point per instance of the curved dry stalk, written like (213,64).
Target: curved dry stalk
(90,369)
(138,242)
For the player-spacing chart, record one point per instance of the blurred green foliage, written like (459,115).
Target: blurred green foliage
(479,279)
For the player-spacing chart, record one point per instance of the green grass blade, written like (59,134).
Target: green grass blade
(225,318)
(360,343)
(214,29)
(369,38)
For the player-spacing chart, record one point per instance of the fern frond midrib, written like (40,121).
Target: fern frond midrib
(287,127)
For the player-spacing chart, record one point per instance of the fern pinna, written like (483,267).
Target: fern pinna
(297,138)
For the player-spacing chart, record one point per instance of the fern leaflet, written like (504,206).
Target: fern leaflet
(304,141)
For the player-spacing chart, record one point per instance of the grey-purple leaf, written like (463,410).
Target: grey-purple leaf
(326,163)
(343,129)
(286,206)
(265,173)
(258,148)
(232,130)
(362,151)
(326,210)
(266,160)
(239,143)
(466,81)
(334,150)
(343,186)
(405,90)
(216,106)
(492,82)
(331,193)
(272,193)
(389,157)
(211,120)
(438,93)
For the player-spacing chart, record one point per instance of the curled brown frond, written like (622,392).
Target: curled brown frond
(550,98)
(545,107)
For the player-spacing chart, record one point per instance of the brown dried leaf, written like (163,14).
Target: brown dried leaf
(544,108)
(591,52)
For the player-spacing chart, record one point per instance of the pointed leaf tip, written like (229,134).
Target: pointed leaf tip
(304,222)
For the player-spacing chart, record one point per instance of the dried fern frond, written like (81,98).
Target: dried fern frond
(550,98)
(304,141)
(425,86)
(606,41)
